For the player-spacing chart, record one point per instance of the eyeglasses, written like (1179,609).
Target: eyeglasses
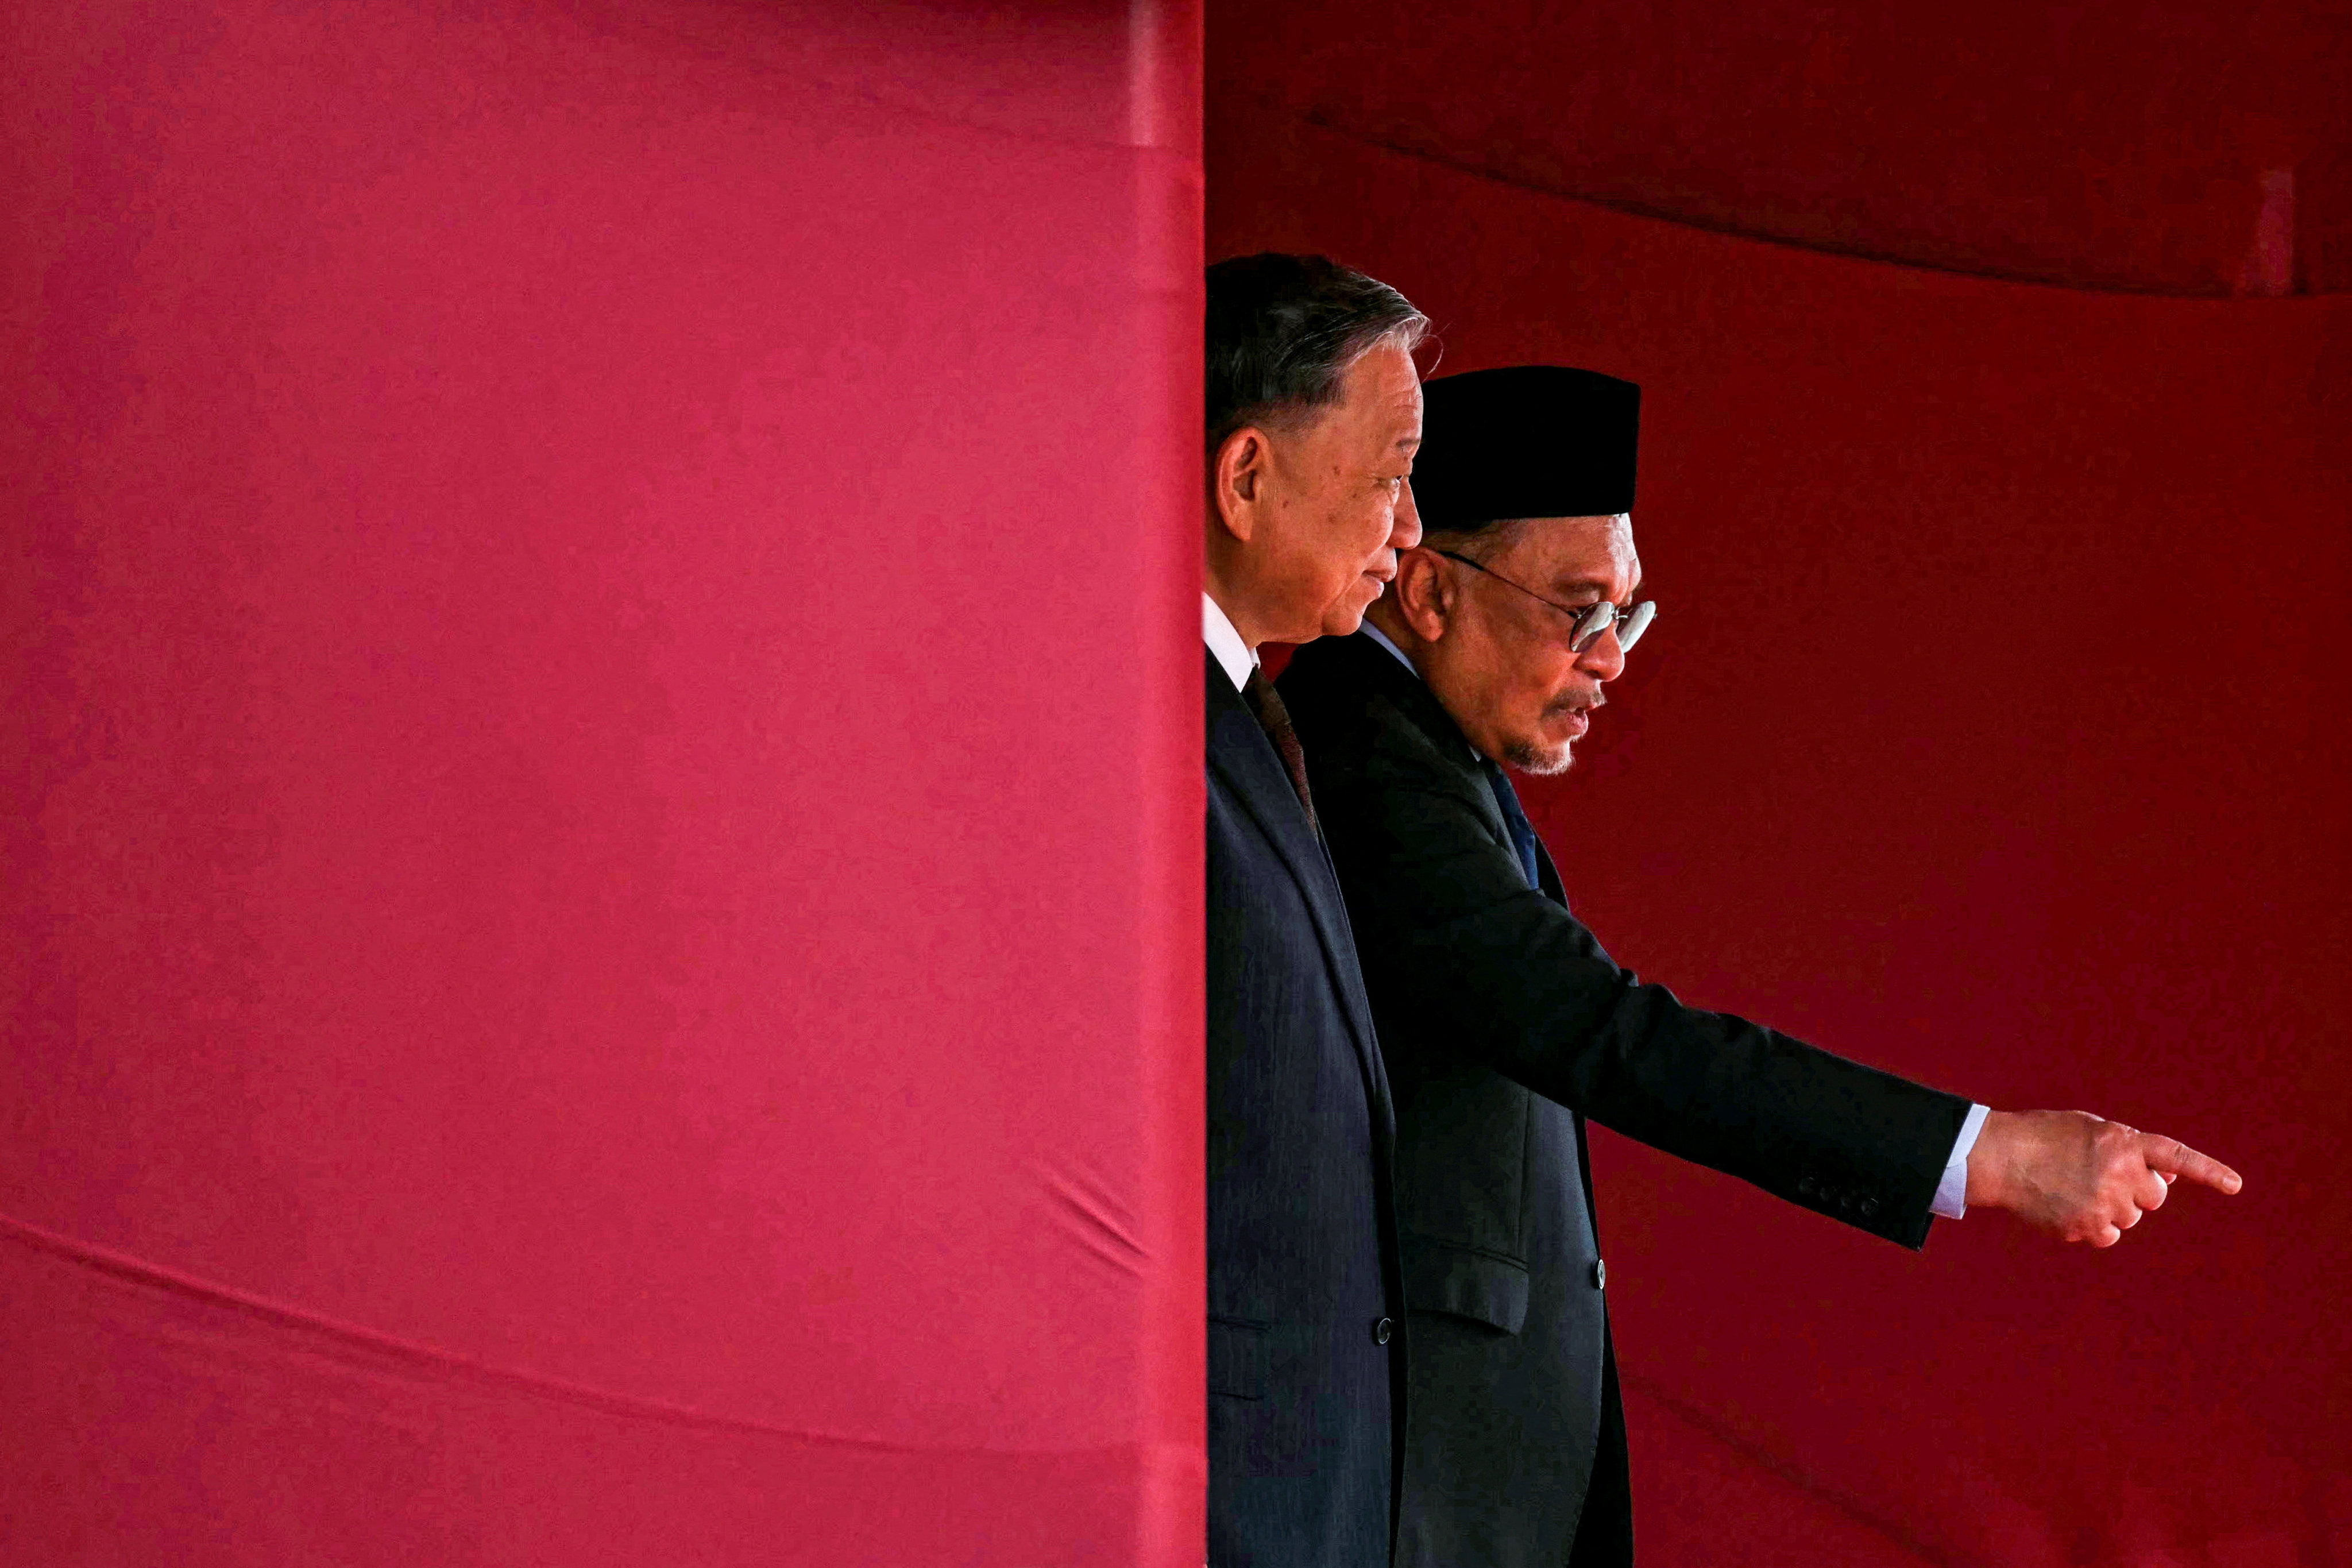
(1590,621)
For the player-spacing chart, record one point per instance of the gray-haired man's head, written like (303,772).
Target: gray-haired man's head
(1313,414)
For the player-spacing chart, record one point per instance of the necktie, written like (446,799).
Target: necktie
(1275,719)
(1523,833)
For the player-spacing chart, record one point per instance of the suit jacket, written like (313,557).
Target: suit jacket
(1305,1314)
(1504,1023)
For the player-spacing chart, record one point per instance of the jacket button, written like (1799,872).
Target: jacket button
(1383,1331)
(1601,1274)
(1869,1207)
(1805,1186)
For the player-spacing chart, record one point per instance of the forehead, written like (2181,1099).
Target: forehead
(1382,390)
(1586,550)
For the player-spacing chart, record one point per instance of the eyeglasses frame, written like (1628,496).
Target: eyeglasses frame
(1580,641)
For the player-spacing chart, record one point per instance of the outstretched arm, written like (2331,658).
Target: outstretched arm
(2078,1177)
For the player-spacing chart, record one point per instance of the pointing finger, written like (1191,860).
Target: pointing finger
(2171,1156)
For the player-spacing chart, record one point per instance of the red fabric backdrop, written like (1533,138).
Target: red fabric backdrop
(601,900)
(2159,146)
(1992,731)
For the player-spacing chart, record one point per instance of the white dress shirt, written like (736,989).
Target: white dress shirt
(1236,656)
(1951,1192)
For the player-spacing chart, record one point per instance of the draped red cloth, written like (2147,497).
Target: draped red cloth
(602,785)
(2185,147)
(1992,731)
(601,854)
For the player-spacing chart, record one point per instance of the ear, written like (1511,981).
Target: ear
(1423,592)
(1237,478)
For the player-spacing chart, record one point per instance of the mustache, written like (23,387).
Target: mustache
(1575,700)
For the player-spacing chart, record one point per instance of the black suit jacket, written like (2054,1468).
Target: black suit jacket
(1503,1023)
(1306,1319)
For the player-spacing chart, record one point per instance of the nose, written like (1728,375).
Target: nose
(1605,659)
(1404,530)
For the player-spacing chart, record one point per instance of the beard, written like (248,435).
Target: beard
(1544,759)
(1539,759)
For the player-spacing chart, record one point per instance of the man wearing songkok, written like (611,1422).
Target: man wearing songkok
(1505,1024)
(1314,409)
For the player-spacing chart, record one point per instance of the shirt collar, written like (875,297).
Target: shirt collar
(1382,637)
(1236,657)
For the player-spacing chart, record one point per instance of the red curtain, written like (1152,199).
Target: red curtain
(602,890)
(602,893)
(1992,731)
(2187,147)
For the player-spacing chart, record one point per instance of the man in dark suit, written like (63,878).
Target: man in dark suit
(1314,409)
(1504,1023)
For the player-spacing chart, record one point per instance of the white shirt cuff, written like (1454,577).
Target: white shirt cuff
(1952,1191)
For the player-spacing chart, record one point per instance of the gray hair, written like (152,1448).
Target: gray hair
(1283,332)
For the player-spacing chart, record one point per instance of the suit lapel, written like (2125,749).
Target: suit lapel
(1244,760)
(1420,707)
(1549,883)
(1419,704)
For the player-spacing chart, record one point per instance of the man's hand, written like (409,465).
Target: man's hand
(2078,1177)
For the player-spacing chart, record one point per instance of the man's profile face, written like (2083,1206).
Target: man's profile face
(1503,669)
(1339,501)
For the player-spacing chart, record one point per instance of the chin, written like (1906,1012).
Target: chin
(1343,617)
(1541,759)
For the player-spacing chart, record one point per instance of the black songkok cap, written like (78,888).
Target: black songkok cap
(1534,440)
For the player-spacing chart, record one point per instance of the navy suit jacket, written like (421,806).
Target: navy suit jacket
(1305,1321)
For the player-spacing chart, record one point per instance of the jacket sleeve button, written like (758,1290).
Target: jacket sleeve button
(1601,1274)
(1383,1331)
